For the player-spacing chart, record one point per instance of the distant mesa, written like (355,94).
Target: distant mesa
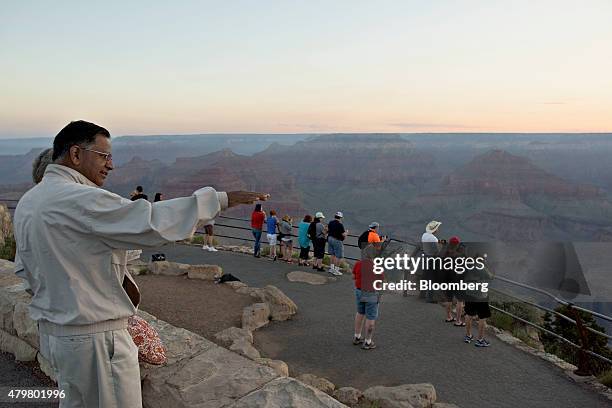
(498,172)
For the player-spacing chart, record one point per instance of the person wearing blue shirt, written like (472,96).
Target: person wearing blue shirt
(271,225)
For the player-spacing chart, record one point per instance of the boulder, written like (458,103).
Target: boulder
(204,272)
(255,316)
(245,348)
(281,307)
(402,396)
(9,297)
(213,378)
(287,392)
(246,290)
(320,383)
(168,268)
(7,267)
(232,334)
(26,328)
(16,346)
(279,366)
(348,395)
(306,277)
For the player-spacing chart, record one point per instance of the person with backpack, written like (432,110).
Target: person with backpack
(317,232)
(286,241)
(336,235)
(370,236)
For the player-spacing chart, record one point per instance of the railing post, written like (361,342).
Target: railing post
(584,368)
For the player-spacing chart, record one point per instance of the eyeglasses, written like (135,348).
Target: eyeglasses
(107,156)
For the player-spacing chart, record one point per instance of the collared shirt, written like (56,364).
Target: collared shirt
(72,238)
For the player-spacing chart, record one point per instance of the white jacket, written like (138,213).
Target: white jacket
(72,238)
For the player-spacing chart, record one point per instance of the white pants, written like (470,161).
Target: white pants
(97,370)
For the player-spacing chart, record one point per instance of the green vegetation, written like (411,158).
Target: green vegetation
(199,240)
(558,325)
(7,251)
(596,343)
(606,378)
(520,330)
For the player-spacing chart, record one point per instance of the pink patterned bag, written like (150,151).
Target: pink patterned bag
(150,347)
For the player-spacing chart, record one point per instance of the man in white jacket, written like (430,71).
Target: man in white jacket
(72,238)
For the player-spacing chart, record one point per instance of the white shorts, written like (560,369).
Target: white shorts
(271,239)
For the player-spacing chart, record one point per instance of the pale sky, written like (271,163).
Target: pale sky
(147,67)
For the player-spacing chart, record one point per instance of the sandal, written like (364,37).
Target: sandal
(452,319)
(459,324)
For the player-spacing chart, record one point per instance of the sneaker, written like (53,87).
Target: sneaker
(482,343)
(213,249)
(357,341)
(368,346)
(205,248)
(468,339)
(335,272)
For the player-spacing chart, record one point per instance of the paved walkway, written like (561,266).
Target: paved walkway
(414,343)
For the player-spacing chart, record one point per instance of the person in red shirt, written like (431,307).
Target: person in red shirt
(367,299)
(258,217)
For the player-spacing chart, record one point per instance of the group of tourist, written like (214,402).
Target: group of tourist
(311,231)
(468,305)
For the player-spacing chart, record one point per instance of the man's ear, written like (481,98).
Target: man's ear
(74,155)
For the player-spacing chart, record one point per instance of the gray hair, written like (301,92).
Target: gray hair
(40,164)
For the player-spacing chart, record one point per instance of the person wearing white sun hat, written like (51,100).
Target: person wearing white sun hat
(431,248)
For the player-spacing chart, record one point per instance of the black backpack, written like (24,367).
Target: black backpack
(312,231)
(362,241)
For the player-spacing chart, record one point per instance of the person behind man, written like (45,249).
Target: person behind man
(367,299)
(303,239)
(317,233)
(40,164)
(431,248)
(158,197)
(139,194)
(72,238)
(258,217)
(336,233)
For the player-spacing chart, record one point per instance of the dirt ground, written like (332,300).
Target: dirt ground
(199,306)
